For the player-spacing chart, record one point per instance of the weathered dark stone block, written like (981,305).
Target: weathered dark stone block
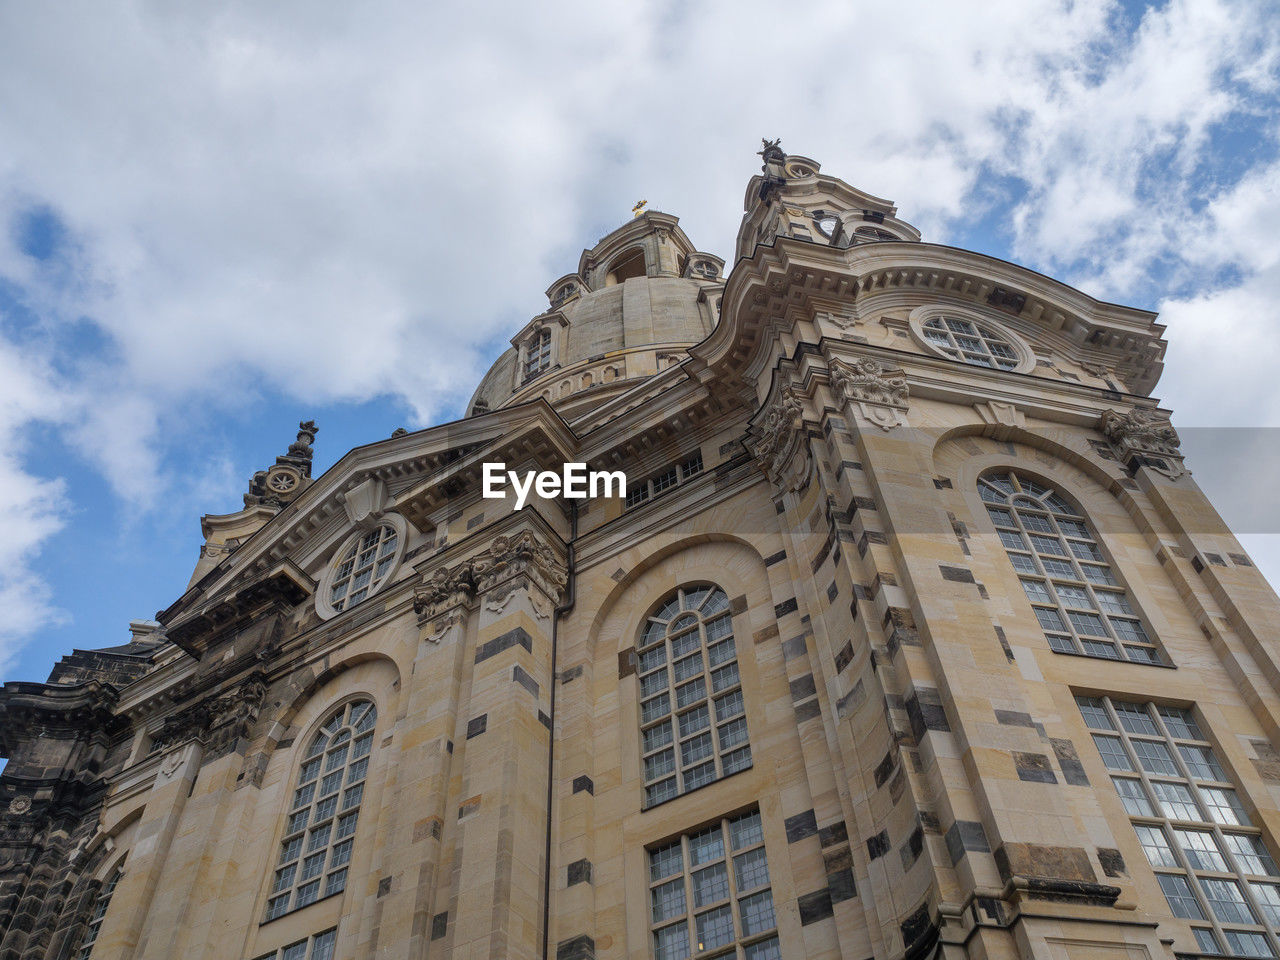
(1033,767)
(800,826)
(802,688)
(1112,862)
(965,835)
(878,845)
(815,906)
(1013,718)
(1069,762)
(833,833)
(505,641)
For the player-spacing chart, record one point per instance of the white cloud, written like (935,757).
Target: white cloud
(337,202)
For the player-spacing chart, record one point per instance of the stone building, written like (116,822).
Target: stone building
(911,635)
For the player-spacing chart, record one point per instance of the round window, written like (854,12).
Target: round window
(970,341)
(362,566)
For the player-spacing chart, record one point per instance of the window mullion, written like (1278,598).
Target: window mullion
(1238,875)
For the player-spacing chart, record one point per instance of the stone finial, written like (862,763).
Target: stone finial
(301,448)
(279,484)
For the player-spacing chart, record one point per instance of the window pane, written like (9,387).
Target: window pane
(1251,853)
(1268,897)
(764,950)
(322,946)
(651,710)
(714,928)
(1201,762)
(665,861)
(1094,713)
(1180,723)
(1247,944)
(1113,755)
(1155,846)
(750,869)
(756,913)
(668,900)
(1134,718)
(1200,849)
(710,884)
(1226,900)
(1178,892)
(706,846)
(745,831)
(1133,797)
(1224,806)
(671,943)
(1155,758)
(1175,801)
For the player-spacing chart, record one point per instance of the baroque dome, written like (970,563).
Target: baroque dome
(640,298)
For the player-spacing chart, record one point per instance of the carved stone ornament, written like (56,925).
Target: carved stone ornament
(508,558)
(880,396)
(1144,439)
(19,805)
(781,432)
(217,721)
(170,766)
(841,320)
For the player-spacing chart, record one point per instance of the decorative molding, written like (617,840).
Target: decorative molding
(365,502)
(999,413)
(879,392)
(218,722)
(508,559)
(1141,439)
(780,437)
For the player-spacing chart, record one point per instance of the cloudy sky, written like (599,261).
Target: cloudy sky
(218,219)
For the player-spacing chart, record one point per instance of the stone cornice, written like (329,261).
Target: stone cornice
(191,625)
(29,710)
(766,288)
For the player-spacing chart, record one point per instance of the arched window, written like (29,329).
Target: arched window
(537,354)
(1080,603)
(100,905)
(692,724)
(323,809)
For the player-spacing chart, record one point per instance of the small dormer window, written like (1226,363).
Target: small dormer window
(537,356)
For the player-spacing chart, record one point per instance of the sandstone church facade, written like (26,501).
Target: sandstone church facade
(911,636)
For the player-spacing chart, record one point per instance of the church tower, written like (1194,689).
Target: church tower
(909,636)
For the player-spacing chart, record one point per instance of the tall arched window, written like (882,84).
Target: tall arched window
(1080,603)
(100,905)
(537,354)
(692,724)
(323,810)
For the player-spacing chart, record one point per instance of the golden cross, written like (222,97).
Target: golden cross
(639,207)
